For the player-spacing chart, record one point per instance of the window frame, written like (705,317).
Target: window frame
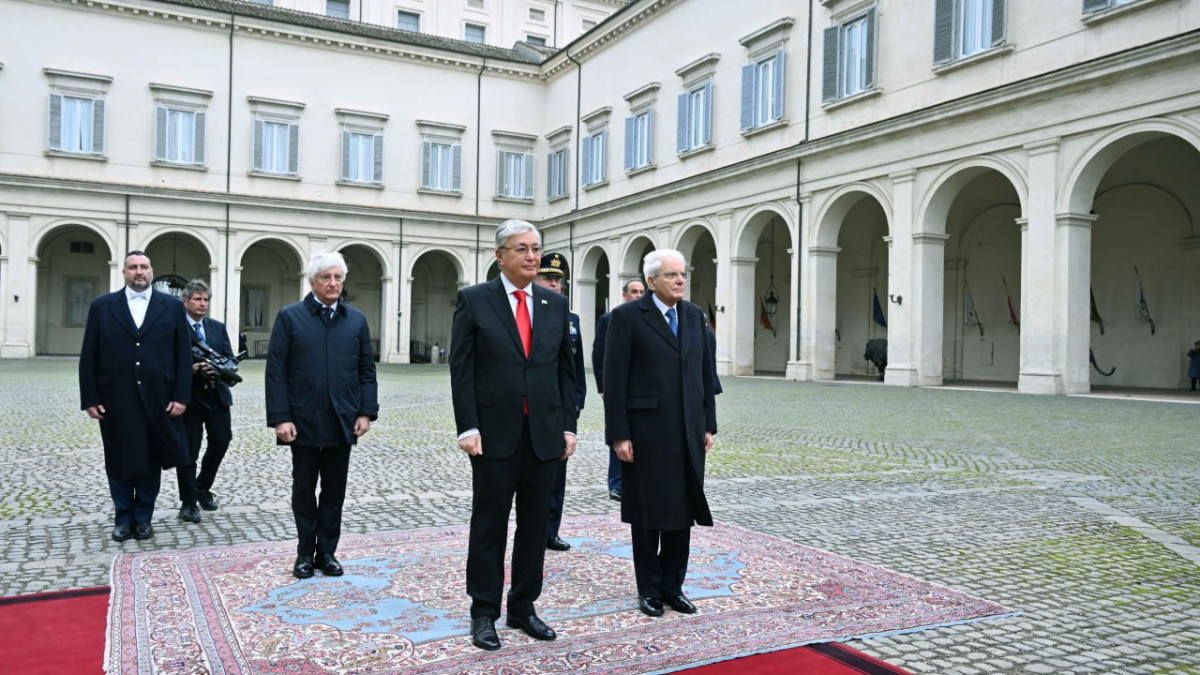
(639,141)
(467,26)
(277,113)
(834,85)
(328,3)
(84,90)
(948,33)
(400,13)
(441,143)
(694,119)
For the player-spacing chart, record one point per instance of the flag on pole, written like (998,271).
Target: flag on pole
(1095,312)
(1012,314)
(970,317)
(1142,307)
(877,310)
(764,318)
(712,317)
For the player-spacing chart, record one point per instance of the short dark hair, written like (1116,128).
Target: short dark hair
(625,286)
(135,252)
(195,286)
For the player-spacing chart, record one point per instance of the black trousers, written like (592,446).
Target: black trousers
(201,419)
(319,523)
(133,498)
(494,484)
(660,559)
(557,498)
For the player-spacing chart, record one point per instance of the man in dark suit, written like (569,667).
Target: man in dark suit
(135,378)
(632,290)
(550,277)
(211,399)
(512,378)
(660,416)
(321,397)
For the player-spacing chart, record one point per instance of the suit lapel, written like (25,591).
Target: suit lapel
(499,301)
(684,335)
(119,306)
(658,324)
(154,306)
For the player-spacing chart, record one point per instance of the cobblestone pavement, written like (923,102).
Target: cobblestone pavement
(1083,513)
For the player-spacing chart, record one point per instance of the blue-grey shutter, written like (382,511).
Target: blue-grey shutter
(630,147)
(160,133)
(198,151)
(748,96)
(681,123)
(54,135)
(1095,5)
(530,176)
(347,142)
(602,148)
(426,158)
(869,79)
(999,21)
(780,62)
(377,167)
(98,126)
(456,168)
(564,170)
(943,31)
(500,174)
(830,58)
(294,149)
(650,136)
(586,170)
(258,145)
(551,169)
(708,107)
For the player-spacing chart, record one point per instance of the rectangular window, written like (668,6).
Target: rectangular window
(475,33)
(254,308)
(849,58)
(514,175)
(593,169)
(762,91)
(441,166)
(179,136)
(966,27)
(536,40)
(639,140)
(537,14)
(695,118)
(276,147)
(557,174)
(408,21)
(362,157)
(80,293)
(338,9)
(76,124)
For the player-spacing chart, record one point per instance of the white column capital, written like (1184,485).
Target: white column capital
(824,251)
(930,238)
(906,176)
(1075,219)
(1022,223)
(743,261)
(1043,146)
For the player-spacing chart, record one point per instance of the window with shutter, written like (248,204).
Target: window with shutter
(964,28)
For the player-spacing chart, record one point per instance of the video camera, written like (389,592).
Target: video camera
(223,368)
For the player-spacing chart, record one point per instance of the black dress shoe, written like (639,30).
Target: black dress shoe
(614,495)
(207,501)
(303,568)
(483,633)
(329,565)
(650,606)
(555,543)
(188,513)
(122,533)
(680,603)
(143,531)
(533,627)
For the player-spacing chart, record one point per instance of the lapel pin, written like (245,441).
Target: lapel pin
(545,303)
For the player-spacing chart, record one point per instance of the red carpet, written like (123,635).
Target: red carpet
(62,633)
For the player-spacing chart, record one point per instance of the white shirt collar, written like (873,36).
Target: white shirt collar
(130,294)
(509,287)
(662,306)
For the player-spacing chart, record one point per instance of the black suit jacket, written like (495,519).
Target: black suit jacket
(134,372)
(217,337)
(490,378)
(598,351)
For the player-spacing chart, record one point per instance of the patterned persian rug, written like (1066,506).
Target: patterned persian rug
(402,607)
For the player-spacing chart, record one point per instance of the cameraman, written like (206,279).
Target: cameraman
(209,411)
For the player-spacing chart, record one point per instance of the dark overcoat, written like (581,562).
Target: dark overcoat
(134,373)
(320,373)
(490,378)
(658,393)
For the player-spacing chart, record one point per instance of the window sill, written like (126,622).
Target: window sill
(942,68)
(697,151)
(359,184)
(513,200)
(440,193)
(77,155)
(597,184)
(1105,14)
(641,169)
(276,176)
(558,198)
(769,126)
(178,165)
(852,98)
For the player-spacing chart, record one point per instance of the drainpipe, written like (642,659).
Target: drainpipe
(126,225)
(478,136)
(400,276)
(228,169)
(578,112)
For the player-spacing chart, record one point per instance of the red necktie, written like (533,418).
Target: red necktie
(523,324)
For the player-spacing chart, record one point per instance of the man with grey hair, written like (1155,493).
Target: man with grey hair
(512,378)
(209,411)
(321,397)
(660,417)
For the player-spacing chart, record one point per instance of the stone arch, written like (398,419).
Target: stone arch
(39,235)
(832,214)
(163,249)
(948,185)
(634,250)
(76,264)
(437,273)
(747,233)
(382,255)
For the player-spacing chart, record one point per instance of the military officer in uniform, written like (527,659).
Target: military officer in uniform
(550,276)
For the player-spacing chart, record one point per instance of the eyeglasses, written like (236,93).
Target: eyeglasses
(524,250)
(672,276)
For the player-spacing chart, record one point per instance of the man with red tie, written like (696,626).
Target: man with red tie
(512,378)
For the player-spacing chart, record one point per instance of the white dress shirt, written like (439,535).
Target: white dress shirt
(138,302)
